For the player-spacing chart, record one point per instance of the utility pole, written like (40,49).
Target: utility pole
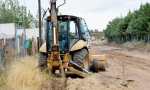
(40,27)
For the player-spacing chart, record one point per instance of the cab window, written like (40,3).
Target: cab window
(73,30)
(84,30)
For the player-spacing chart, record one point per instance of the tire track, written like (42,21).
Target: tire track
(131,60)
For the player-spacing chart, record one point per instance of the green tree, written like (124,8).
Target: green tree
(133,26)
(138,25)
(113,28)
(12,12)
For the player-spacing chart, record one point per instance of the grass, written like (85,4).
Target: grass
(2,81)
(22,74)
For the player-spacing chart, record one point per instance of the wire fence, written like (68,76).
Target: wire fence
(13,48)
(7,50)
(2,61)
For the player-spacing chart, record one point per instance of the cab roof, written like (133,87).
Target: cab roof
(67,17)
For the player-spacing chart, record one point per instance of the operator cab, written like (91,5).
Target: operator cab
(71,30)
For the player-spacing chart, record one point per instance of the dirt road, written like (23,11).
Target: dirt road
(127,70)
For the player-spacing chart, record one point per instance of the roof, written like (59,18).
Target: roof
(69,17)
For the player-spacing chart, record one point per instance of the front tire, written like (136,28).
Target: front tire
(80,56)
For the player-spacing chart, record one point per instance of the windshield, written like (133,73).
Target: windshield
(68,31)
(69,27)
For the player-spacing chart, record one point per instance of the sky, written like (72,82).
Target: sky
(97,13)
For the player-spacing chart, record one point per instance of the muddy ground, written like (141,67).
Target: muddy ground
(126,70)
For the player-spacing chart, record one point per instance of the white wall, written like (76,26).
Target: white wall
(7,30)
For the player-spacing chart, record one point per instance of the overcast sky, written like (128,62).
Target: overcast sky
(97,13)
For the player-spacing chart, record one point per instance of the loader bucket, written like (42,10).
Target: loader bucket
(98,63)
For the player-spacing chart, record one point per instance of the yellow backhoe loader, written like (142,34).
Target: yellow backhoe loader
(65,50)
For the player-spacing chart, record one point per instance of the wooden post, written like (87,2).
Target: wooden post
(40,24)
